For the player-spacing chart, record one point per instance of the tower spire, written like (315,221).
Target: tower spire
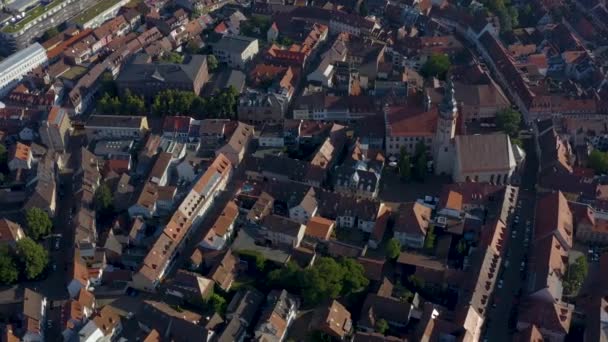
(448,105)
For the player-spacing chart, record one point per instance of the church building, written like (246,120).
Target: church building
(467,158)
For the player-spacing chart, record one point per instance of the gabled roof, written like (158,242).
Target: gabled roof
(224,271)
(319,227)
(168,73)
(390,309)
(32,304)
(551,317)
(553,217)
(9,231)
(414,218)
(334,319)
(411,120)
(484,153)
(244,304)
(282,225)
(226,218)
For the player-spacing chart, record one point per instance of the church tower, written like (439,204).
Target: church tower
(443,145)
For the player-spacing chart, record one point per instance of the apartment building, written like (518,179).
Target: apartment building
(17,65)
(148,79)
(54,131)
(22,28)
(236,51)
(115,127)
(188,214)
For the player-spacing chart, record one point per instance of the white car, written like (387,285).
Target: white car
(514,234)
(523,266)
(500,284)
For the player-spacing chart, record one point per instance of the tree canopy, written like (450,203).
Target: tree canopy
(437,65)
(327,278)
(176,102)
(508,121)
(255,26)
(421,159)
(129,104)
(32,256)
(38,223)
(103,202)
(429,241)
(382,326)
(506,12)
(405,167)
(218,303)
(575,276)
(598,161)
(50,33)
(212,62)
(8,268)
(172,57)
(393,249)
(3,154)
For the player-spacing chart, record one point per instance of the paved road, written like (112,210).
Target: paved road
(506,298)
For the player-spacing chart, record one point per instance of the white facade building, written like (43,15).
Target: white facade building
(19,64)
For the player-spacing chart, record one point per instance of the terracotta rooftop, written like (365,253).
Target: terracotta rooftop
(553,216)
(319,227)
(408,120)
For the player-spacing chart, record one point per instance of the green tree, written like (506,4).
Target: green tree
(38,223)
(575,276)
(108,104)
(437,65)
(288,277)
(108,85)
(381,326)
(598,161)
(363,11)
(323,280)
(354,279)
(415,282)
(405,167)
(103,201)
(461,247)
(50,33)
(8,268)
(326,279)
(212,62)
(32,256)
(172,57)
(132,104)
(253,257)
(429,241)
(420,161)
(3,156)
(285,41)
(318,336)
(193,48)
(421,167)
(218,303)
(508,121)
(393,249)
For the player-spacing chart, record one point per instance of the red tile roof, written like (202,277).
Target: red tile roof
(553,217)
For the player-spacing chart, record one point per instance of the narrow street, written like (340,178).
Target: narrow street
(502,312)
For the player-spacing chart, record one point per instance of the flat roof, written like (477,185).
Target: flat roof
(20,57)
(30,16)
(94,11)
